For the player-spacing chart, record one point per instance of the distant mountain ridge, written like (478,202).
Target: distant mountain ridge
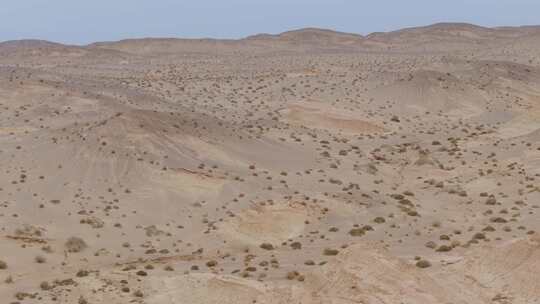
(315,38)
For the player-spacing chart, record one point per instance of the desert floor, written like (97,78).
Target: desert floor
(306,167)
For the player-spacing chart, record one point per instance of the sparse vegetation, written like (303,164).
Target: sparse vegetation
(75,244)
(310,156)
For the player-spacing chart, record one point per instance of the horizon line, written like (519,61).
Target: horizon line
(448,23)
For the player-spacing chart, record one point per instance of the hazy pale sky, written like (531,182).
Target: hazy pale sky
(85,21)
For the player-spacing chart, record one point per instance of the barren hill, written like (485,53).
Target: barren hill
(310,166)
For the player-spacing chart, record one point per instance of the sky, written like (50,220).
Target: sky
(86,21)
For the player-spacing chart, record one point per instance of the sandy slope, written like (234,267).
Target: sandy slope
(306,167)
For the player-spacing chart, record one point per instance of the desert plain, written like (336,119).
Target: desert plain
(306,167)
